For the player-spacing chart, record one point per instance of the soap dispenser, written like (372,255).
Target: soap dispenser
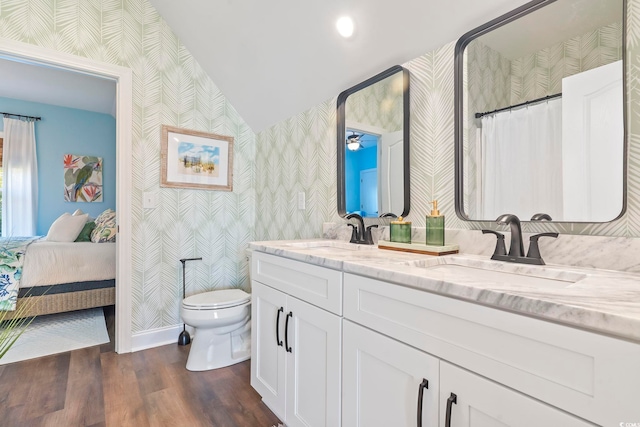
(400,231)
(435,227)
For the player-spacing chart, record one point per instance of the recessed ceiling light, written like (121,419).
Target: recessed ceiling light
(345,26)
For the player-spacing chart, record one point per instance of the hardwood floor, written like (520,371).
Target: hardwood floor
(96,387)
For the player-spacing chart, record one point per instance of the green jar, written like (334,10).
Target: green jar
(400,231)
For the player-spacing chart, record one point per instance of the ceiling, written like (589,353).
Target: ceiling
(553,23)
(46,85)
(275,59)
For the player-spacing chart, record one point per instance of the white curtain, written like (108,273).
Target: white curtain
(522,161)
(20,179)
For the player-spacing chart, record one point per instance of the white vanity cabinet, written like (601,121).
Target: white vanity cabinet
(386,383)
(505,369)
(295,344)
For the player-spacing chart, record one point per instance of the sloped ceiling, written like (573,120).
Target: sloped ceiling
(274,59)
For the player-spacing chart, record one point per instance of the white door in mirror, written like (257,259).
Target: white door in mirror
(592,117)
(391,172)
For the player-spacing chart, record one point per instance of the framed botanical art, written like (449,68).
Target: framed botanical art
(82,178)
(193,159)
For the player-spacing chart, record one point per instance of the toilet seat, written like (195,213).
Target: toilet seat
(215,300)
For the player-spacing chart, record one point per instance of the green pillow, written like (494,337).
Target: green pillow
(85,234)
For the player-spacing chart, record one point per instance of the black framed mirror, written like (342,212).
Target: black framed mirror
(373,146)
(540,113)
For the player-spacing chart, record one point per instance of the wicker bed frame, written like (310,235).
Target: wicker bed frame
(66,301)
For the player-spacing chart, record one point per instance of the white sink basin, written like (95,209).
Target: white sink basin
(330,245)
(452,269)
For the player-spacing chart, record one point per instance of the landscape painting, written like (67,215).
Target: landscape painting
(194,159)
(82,178)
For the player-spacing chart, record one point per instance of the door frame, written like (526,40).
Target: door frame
(28,53)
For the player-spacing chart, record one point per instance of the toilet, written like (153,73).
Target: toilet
(222,322)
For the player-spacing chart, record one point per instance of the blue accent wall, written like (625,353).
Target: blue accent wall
(67,131)
(356,162)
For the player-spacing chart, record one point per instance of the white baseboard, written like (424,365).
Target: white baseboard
(157,337)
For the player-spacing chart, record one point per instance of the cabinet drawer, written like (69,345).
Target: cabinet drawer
(316,285)
(590,375)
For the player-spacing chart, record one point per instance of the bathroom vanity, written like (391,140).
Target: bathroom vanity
(352,335)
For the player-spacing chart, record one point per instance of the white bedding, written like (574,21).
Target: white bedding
(52,263)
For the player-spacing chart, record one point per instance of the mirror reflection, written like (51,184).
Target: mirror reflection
(540,114)
(373,153)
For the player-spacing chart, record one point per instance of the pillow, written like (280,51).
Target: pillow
(105,230)
(66,228)
(79,212)
(85,233)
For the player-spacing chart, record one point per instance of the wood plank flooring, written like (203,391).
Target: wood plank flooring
(96,387)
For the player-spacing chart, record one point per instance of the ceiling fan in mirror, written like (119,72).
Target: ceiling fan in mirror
(353,142)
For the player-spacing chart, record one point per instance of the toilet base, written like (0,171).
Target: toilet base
(212,350)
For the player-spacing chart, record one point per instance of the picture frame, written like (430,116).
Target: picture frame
(194,159)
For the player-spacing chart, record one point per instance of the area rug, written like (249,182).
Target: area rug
(57,333)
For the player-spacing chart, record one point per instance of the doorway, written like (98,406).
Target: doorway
(31,54)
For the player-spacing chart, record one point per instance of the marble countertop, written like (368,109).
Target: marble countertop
(603,301)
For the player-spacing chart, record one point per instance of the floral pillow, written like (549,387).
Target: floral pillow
(105,230)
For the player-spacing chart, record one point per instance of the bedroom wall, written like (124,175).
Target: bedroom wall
(287,163)
(68,131)
(169,87)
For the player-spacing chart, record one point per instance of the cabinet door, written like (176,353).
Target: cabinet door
(480,402)
(383,379)
(267,357)
(313,366)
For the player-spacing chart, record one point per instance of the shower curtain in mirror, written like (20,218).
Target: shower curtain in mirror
(521,157)
(20,178)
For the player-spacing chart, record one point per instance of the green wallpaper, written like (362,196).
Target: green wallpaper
(540,74)
(387,94)
(169,87)
(487,83)
(297,155)
(432,160)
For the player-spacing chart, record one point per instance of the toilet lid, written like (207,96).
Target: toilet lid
(217,299)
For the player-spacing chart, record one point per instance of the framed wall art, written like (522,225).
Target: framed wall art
(82,178)
(194,159)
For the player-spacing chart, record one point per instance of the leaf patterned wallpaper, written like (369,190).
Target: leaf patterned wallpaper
(488,85)
(169,87)
(540,74)
(387,94)
(432,156)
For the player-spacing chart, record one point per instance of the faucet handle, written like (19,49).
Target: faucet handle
(368,239)
(534,249)
(500,247)
(541,217)
(354,233)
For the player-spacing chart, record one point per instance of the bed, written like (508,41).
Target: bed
(66,276)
